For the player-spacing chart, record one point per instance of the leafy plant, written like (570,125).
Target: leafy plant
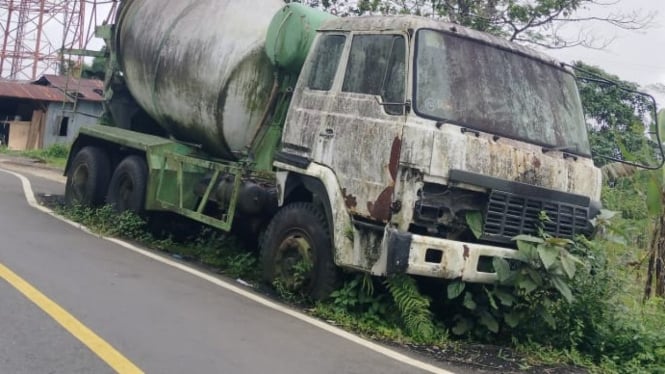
(529,286)
(358,296)
(474,219)
(107,221)
(413,307)
(385,308)
(569,296)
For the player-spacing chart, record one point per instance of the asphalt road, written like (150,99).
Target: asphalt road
(159,318)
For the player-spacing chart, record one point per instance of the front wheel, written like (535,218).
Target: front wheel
(296,252)
(128,185)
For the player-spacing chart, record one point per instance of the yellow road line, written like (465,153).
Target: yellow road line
(97,345)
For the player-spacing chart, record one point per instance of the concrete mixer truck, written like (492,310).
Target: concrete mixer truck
(362,143)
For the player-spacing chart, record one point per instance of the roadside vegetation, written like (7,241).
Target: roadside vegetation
(573,305)
(55,155)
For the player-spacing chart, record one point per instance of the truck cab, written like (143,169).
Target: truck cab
(413,125)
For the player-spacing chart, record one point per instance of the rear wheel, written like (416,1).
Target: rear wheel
(88,177)
(128,185)
(296,252)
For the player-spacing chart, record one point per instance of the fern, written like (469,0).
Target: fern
(413,307)
(367,285)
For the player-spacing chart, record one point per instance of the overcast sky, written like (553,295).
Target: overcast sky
(637,56)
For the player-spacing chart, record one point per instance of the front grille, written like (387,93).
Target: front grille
(509,215)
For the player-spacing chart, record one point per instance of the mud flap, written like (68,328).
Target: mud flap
(399,247)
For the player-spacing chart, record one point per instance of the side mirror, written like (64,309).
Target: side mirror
(622,122)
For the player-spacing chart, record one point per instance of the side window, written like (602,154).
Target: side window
(326,60)
(376,67)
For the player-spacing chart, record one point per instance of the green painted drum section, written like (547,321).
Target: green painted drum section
(291,34)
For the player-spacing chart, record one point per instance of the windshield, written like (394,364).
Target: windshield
(489,89)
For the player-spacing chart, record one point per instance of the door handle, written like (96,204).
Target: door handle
(327,133)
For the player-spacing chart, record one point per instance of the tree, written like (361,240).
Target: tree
(618,121)
(617,117)
(537,22)
(98,68)
(655,283)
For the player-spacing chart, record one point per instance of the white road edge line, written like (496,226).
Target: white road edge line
(32,201)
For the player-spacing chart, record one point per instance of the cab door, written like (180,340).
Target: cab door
(360,136)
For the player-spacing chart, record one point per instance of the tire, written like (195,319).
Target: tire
(88,177)
(299,234)
(128,185)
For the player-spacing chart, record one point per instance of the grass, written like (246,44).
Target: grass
(55,155)
(203,245)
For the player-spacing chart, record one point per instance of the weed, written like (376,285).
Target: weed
(239,265)
(294,287)
(54,155)
(207,246)
(413,307)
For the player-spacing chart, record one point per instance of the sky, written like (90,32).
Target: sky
(636,56)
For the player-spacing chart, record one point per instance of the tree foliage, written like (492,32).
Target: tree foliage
(617,117)
(97,69)
(536,22)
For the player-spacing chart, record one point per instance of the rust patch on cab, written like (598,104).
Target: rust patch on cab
(350,200)
(380,209)
(466,252)
(395,151)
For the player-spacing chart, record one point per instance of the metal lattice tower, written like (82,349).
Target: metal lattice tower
(34,32)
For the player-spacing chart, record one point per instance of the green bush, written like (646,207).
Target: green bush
(600,324)
(56,151)
(565,296)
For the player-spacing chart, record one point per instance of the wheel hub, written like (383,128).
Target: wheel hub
(294,261)
(79,181)
(125,190)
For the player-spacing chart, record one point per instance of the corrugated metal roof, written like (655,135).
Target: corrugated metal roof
(31,91)
(87,89)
